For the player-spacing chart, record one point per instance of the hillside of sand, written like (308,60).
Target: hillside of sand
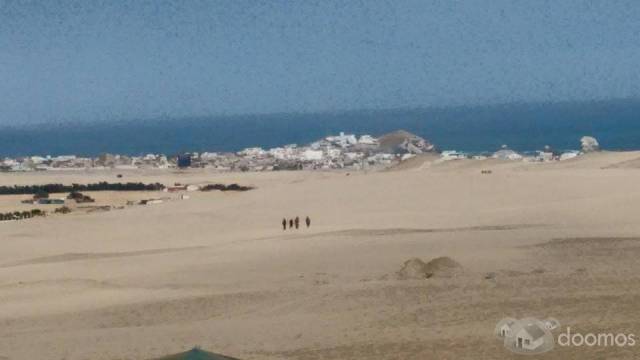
(217,271)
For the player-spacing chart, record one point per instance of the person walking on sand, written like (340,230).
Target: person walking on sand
(284,224)
(308,221)
(297,221)
(290,223)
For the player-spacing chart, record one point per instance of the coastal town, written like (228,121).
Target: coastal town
(342,151)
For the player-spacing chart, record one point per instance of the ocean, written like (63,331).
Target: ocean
(476,129)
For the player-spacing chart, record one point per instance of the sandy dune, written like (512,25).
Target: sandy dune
(545,240)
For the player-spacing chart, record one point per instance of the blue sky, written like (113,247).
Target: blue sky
(112,60)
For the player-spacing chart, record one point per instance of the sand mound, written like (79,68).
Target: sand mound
(439,267)
(417,162)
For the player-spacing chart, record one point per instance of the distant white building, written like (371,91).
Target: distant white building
(311,155)
(252,152)
(342,140)
(9,162)
(64,158)
(506,154)
(208,156)
(452,155)
(380,159)
(367,140)
(284,153)
(353,155)
(544,156)
(38,159)
(333,153)
(569,155)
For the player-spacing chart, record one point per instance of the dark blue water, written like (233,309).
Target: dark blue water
(524,127)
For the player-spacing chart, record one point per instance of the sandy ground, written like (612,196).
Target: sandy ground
(555,240)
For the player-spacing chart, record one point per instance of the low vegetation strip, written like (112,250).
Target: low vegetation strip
(20,215)
(222,187)
(60,188)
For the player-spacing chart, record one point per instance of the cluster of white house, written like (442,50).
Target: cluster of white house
(588,144)
(332,152)
(36,163)
(343,151)
(505,153)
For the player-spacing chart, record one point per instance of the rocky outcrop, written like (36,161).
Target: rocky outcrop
(404,142)
(589,144)
(417,269)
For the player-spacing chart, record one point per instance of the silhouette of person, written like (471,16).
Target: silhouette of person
(308,221)
(297,221)
(284,224)
(290,223)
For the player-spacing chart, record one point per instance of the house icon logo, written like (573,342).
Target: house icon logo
(528,336)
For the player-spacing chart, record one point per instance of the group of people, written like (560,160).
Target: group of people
(294,222)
